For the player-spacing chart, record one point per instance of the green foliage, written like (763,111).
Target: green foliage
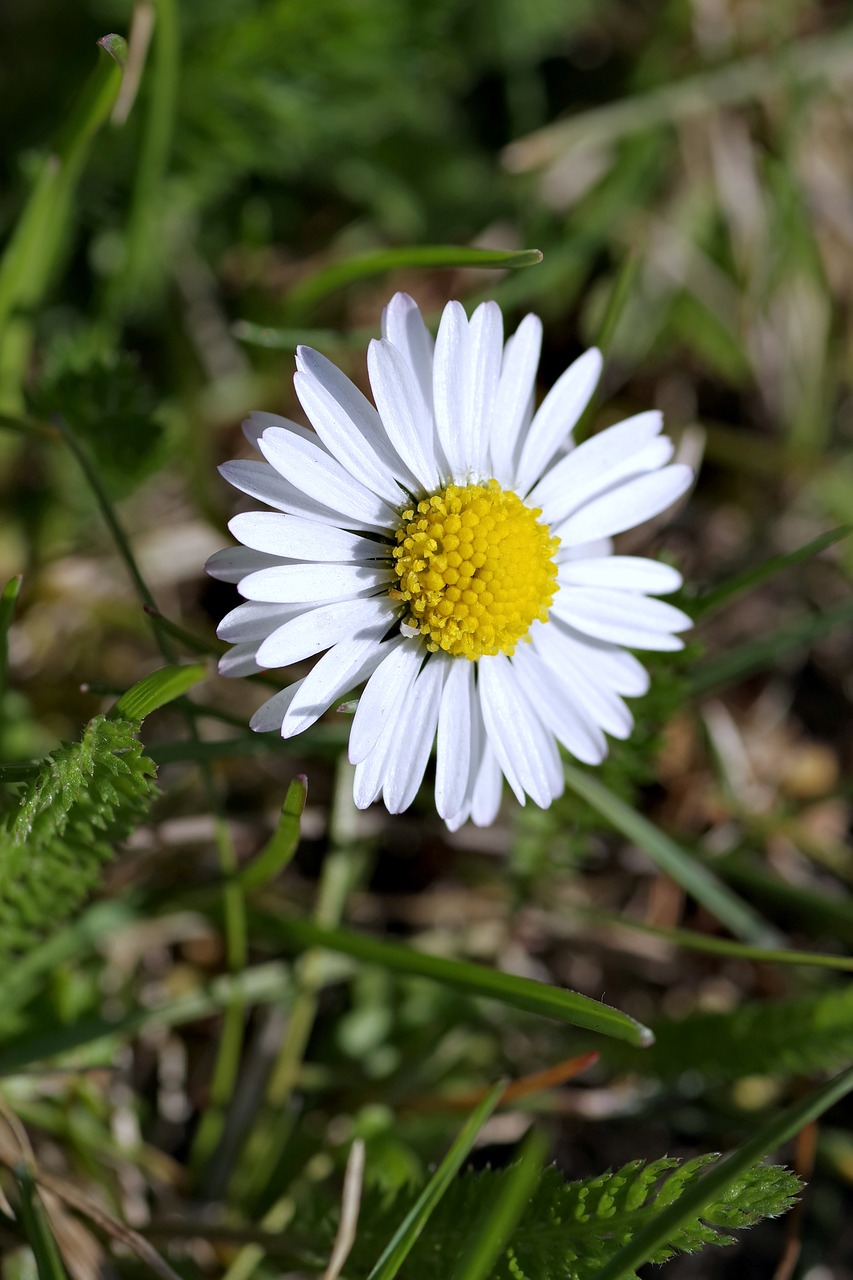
(779,1037)
(111,407)
(570,1229)
(87,796)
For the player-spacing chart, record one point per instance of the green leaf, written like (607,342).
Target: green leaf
(157,689)
(8,600)
(277,853)
(416,1219)
(86,797)
(697,1197)
(683,867)
(472,979)
(364,265)
(492,1234)
(751,578)
(765,652)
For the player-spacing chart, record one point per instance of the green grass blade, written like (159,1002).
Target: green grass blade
(751,578)
(365,265)
(721,1175)
(276,854)
(472,979)
(33,251)
(721,946)
(493,1235)
(758,655)
(406,1235)
(39,1236)
(157,689)
(683,867)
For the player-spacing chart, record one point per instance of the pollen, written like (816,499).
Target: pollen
(476,567)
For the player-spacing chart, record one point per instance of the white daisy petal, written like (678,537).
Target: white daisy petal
(319,629)
(557,711)
(384,692)
(260,480)
(594,550)
(339,670)
(255,621)
(233,563)
(343,439)
(323,478)
(360,412)
(316,583)
(413,735)
(568,650)
(594,698)
(240,661)
(556,417)
(370,773)
(293,538)
(256,424)
(403,325)
(486,333)
(453,745)
(627,505)
(526,751)
(404,414)
(452,387)
(597,464)
(515,396)
(269,716)
(488,786)
(621,617)
(630,573)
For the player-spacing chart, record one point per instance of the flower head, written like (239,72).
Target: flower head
(452,549)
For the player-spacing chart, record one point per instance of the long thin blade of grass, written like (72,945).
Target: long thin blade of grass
(406,1235)
(722,595)
(683,867)
(473,979)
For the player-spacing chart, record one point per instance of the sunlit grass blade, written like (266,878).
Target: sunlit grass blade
(758,655)
(406,1235)
(276,854)
(36,1229)
(722,1174)
(751,578)
(493,1235)
(264,335)
(157,689)
(378,262)
(472,979)
(33,251)
(683,867)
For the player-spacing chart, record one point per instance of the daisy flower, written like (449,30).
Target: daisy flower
(451,547)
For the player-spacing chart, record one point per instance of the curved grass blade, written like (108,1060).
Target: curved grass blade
(157,689)
(472,979)
(722,1174)
(376,263)
(406,1235)
(495,1232)
(683,867)
(722,595)
(276,854)
(36,1229)
(758,655)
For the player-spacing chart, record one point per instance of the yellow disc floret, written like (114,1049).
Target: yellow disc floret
(476,568)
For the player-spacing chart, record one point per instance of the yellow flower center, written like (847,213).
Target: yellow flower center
(475,567)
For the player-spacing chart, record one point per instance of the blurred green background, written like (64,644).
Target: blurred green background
(686,168)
